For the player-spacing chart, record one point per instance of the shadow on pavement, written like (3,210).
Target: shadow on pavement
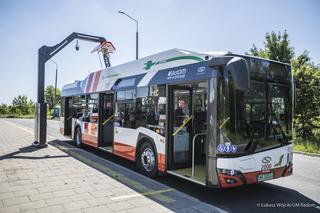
(250,198)
(26,150)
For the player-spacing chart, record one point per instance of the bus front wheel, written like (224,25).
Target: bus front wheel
(147,160)
(78,137)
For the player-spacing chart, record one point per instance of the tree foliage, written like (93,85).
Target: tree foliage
(21,105)
(4,109)
(276,47)
(50,98)
(307,82)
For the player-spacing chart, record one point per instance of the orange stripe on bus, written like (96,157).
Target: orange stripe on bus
(161,162)
(90,140)
(124,150)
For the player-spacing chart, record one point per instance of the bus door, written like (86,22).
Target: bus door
(182,125)
(106,124)
(68,116)
(187,133)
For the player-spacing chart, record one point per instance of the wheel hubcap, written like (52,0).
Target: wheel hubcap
(148,160)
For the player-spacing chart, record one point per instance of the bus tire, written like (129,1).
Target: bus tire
(78,137)
(147,160)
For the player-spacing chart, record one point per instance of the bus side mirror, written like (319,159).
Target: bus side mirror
(238,68)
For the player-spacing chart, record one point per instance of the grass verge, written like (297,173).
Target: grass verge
(17,116)
(309,146)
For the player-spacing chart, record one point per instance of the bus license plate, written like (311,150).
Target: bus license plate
(264,177)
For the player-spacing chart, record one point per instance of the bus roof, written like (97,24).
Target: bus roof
(104,80)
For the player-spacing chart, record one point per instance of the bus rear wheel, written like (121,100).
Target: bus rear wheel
(78,137)
(147,160)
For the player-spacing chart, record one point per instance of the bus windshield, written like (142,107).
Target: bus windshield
(256,120)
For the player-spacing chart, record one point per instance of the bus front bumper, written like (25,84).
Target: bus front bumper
(236,178)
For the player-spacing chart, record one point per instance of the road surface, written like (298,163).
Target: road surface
(299,192)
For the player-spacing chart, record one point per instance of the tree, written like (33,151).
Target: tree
(276,47)
(22,106)
(307,81)
(49,97)
(4,109)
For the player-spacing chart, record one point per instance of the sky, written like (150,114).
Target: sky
(202,25)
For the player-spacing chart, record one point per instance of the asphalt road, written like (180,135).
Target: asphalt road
(297,193)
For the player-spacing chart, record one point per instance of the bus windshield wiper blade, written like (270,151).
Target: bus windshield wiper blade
(281,130)
(251,146)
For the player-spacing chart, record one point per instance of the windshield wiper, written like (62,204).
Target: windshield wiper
(251,147)
(252,144)
(281,130)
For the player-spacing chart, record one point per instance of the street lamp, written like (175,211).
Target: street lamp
(55,83)
(137,34)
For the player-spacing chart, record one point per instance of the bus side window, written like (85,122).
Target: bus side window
(125,115)
(78,106)
(150,111)
(92,110)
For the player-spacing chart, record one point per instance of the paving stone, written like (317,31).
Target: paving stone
(101,193)
(99,201)
(84,189)
(26,192)
(58,200)
(82,196)
(32,205)
(10,209)
(98,209)
(63,192)
(6,195)
(117,206)
(138,209)
(51,209)
(30,211)
(41,196)
(76,205)
(137,202)
(15,201)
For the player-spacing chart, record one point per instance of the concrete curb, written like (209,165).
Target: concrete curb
(307,153)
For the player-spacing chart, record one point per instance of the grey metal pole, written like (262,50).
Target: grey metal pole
(40,137)
(55,86)
(55,83)
(137,45)
(137,33)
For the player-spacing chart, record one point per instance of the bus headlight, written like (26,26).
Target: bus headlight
(230,172)
(230,178)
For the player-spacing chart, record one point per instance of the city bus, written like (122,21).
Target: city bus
(215,118)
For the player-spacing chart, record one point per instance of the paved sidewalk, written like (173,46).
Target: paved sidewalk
(62,178)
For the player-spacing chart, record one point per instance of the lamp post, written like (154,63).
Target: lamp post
(55,83)
(137,34)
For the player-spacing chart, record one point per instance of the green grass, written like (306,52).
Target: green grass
(22,116)
(309,146)
(17,116)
